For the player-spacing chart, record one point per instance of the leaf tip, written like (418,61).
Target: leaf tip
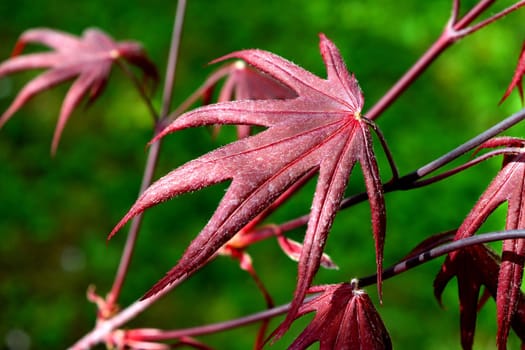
(517,78)
(132,213)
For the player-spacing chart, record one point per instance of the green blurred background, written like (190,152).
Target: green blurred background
(55,213)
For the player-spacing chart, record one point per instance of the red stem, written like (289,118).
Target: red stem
(472,29)
(473,14)
(408,78)
(105,327)
(134,229)
(453,31)
(152,159)
(392,271)
(172,58)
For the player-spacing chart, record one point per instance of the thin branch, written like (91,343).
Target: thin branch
(442,43)
(475,161)
(129,247)
(222,326)
(152,159)
(468,146)
(446,248)
(396,269)
(432,53)
(469,30)
(455,11)
(172,58)
(474,13)
(453,31)
(105,327)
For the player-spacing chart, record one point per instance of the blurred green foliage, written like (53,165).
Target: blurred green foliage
(55,213)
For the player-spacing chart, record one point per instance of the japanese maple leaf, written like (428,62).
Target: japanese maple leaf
(517,78)
(88,58)
(345,318)
(508,186)
(474,268)
(322,128)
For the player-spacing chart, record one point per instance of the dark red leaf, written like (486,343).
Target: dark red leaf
(345,318)
(322,128)
(88,58)
(473,267)
(508,186)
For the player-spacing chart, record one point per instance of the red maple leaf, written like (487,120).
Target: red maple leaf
(88,58)
(345,318)
(473,267)
(476,267)
(322,128)
(508,186)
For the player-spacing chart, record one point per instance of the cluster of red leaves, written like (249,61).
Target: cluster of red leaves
(89,58)
(320,129)
(475,267)
(314,125)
